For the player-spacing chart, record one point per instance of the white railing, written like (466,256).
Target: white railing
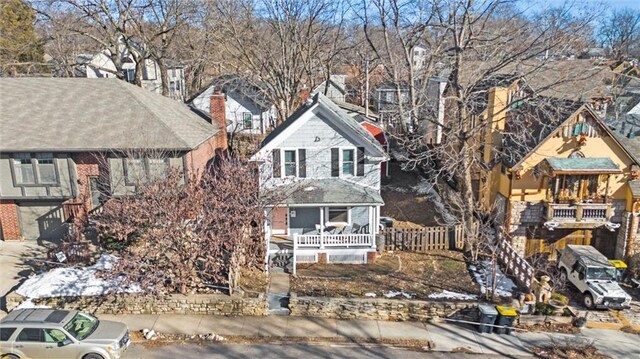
(333,240)
(579,212)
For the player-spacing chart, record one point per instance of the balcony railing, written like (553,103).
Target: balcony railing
(579,212)
(333,240)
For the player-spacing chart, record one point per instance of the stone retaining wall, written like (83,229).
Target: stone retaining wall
(372,308)
(213,304)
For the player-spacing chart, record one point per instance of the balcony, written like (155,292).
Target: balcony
(589,215)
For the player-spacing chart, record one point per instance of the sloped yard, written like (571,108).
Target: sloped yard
(394,275)
(409,200)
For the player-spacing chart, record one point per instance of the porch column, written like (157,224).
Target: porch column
(556,190)
(321,227)
(606,190)
(372,226)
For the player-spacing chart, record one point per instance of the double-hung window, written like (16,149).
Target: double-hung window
(247,120)
(348,162)
(46,168)
(23,169)
(135,170)
(29,170)
(158,167)
(290,163)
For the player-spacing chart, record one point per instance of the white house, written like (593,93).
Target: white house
(320,171)
(100,65)
(247,108)
(335,88)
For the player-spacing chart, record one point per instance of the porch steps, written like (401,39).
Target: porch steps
(281,256)
(278,296)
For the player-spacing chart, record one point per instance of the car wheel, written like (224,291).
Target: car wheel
(10,356)
(563,275)
(588,301)
(92,356)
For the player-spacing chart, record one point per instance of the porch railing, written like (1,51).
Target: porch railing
(333,240)
(579,212)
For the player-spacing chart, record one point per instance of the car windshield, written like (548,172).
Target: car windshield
(81,326)
(602,273)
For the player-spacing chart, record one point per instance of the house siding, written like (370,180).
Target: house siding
(318,136)
(235,106)
(9,190)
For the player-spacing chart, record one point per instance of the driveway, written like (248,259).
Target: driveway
(14,267)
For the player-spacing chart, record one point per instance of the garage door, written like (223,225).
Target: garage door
(42,220)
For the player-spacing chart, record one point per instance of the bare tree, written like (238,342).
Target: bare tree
(479,45)
(174,236)
(284,43)
(620,32)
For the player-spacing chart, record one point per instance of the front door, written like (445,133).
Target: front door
(279,220)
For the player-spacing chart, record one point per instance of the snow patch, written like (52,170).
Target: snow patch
(445,294)
(72,282)
(370,295)
(392,294)
(482,275)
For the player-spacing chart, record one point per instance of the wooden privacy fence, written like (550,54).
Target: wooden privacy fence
(423,239)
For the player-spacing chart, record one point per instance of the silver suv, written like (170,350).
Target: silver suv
(50,333)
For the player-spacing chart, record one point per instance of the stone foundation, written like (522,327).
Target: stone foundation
(375,309)
(212,304)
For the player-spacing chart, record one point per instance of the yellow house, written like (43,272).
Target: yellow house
(557,175)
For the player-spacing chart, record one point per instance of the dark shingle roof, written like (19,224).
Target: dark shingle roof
(73,114)
(635,188)
(322,191)
(531,122)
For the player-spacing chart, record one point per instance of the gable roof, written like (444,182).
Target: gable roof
(235,83)
(335,114)
(336,80)
(80,114)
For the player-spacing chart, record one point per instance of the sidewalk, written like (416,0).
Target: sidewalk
(446,337)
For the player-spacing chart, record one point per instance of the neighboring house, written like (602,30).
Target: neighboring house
(335,88)
(418,57)
(369,121)
(387,100)
(247,108)
(100,65)
(320,170)
(69,142)
(567,179)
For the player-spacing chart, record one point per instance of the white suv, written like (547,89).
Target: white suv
(49,334)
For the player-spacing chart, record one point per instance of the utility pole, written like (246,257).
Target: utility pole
(366,88)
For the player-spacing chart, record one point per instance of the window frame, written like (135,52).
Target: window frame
(327,212)
(17,340)
(244,120)
(354,151)
(34,161)
(283,166)
(145,168)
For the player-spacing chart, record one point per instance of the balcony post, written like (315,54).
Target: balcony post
(608,211)
(579,209)
(321,228)
(549,211)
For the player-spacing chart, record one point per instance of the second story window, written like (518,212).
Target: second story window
(348,162)
(23,169)
(247,120)
(29,170)
(46,168)
(290,163)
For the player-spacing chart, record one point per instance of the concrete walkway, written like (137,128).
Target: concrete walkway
(278,295)
(14,267)
(445,337)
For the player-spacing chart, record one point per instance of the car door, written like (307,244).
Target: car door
(30,344)
(59,345)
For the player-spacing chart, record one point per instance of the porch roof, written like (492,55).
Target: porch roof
(582,165)
(331,191)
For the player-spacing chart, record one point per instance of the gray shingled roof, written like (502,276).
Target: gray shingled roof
(635,187)
(322,191)
(73,114)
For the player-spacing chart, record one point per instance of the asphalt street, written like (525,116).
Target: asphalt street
(284,351)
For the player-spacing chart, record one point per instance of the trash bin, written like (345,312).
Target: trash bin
(487,318)
(506,316)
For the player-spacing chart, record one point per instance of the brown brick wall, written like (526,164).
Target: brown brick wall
(87,164)
(199,157)
(9,222)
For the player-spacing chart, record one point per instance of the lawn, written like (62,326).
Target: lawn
(415,273)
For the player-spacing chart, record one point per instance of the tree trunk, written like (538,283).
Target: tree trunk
(164,76)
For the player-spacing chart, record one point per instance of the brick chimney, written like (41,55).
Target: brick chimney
(303,95)
(218,117)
